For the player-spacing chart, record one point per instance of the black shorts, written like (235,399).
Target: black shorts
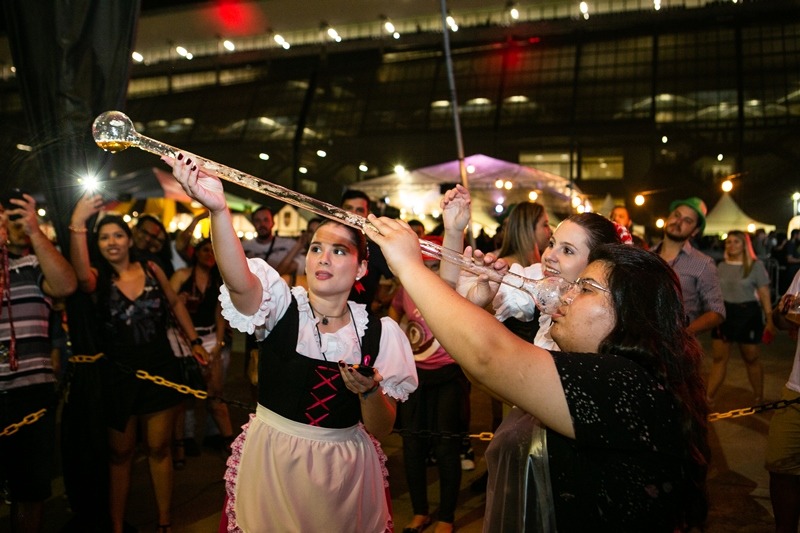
(27,457)
(744,323)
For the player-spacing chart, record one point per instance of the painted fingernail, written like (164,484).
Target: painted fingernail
(180,156)
(194,167)
(188,161)
(350,369)
(341,364)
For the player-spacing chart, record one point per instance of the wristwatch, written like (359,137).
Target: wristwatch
(197,341)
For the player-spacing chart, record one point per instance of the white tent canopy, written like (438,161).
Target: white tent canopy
(727,216)
(794,223)
(417,193)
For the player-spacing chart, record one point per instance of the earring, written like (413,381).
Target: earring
(358,278)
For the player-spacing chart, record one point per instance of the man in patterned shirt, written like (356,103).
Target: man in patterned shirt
(702,295)
(31,272)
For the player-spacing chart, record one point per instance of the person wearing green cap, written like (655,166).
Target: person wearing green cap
(702,295)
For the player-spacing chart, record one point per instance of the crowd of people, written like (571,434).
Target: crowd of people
(601,400)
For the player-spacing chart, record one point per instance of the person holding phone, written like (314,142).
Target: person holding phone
(133,298)
(32,273)
(308,460)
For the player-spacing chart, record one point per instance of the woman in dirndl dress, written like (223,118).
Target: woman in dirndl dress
(308,460)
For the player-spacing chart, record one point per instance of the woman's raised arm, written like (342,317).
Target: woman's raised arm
(244,287)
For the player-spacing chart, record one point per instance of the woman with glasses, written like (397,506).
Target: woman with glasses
(622,404)
(516,454)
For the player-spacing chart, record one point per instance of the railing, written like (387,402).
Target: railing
(494,16)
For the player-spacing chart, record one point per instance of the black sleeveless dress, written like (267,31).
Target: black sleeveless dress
(135,338)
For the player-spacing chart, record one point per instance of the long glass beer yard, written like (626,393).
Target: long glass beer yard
(113,131)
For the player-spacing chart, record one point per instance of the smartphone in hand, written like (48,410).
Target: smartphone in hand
(7,205)
(364,370)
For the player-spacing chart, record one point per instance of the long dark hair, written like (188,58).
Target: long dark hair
(106,274)
(215,277)
(650,331)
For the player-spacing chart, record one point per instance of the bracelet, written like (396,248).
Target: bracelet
(197,341)
(367,394)
(76,229)
(221,344)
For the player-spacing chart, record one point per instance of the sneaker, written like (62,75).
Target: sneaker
(468,460)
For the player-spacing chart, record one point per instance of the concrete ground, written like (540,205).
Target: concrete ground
(738,483)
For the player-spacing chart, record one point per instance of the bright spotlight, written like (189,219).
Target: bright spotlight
(90,183)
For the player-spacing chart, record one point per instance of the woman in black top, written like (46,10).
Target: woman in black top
(623,403)
(133,300)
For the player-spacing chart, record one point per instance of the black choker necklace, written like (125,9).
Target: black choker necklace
(326,318)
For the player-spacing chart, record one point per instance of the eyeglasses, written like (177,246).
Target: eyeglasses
(580,284)
(153,236)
